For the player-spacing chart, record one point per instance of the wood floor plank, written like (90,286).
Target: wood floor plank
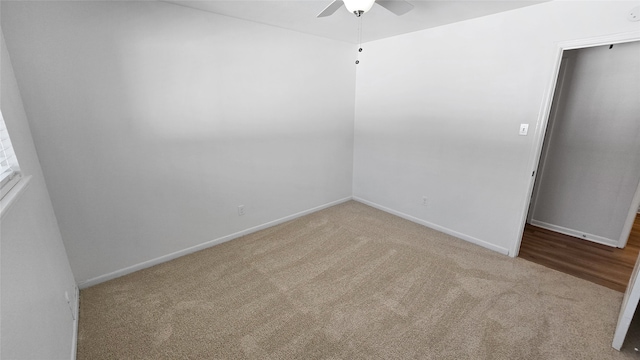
(601,264)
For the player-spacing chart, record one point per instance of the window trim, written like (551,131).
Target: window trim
(12,183)
(8,182)
(13,194)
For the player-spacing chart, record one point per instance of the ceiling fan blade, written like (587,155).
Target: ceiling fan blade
(335,5)
(398,7)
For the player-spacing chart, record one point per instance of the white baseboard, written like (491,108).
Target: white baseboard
(143,265)
(575,233)
(428,224)
(74,339)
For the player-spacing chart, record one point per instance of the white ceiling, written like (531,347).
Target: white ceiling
(378,23)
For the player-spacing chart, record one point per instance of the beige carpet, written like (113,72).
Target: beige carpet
(348,282)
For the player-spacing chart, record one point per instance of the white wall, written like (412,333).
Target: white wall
(592,167)
(438,112)
(155,121)
(35,320)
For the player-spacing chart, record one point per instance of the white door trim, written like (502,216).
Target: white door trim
(628,308)
(631,218)
(544,151)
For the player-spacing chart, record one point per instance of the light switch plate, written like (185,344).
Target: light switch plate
(524,129)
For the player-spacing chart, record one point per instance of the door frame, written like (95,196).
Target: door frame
(632,295)
(631,218)
(628,308)
(545,111)
(551,122)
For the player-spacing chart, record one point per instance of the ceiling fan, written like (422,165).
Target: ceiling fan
(359,7)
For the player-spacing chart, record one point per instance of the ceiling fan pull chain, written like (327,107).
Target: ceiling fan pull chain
(359,39)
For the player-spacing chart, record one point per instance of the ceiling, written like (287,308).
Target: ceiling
(378,23)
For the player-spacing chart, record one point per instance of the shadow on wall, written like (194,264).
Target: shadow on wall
(168,118)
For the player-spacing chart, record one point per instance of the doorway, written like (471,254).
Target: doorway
(632,294)
(589,168)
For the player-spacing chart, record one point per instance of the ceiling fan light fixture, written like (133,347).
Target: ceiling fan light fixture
(358,6)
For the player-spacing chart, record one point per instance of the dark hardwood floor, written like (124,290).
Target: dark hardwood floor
(601,264)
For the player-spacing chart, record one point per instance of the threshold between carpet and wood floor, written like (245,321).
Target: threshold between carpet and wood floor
(348,282)
(601,264)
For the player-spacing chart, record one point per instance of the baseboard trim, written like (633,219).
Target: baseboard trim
(575,233)
(433,226)
(74,339)
(159,260)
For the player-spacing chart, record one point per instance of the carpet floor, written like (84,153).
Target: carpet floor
(348,282)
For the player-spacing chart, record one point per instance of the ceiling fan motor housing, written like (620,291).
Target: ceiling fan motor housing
(358,7)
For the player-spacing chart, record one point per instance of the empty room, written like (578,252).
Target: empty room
(305,179)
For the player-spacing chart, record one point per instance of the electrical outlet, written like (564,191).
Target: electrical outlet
(70,304)
(424,201)
(240,210)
